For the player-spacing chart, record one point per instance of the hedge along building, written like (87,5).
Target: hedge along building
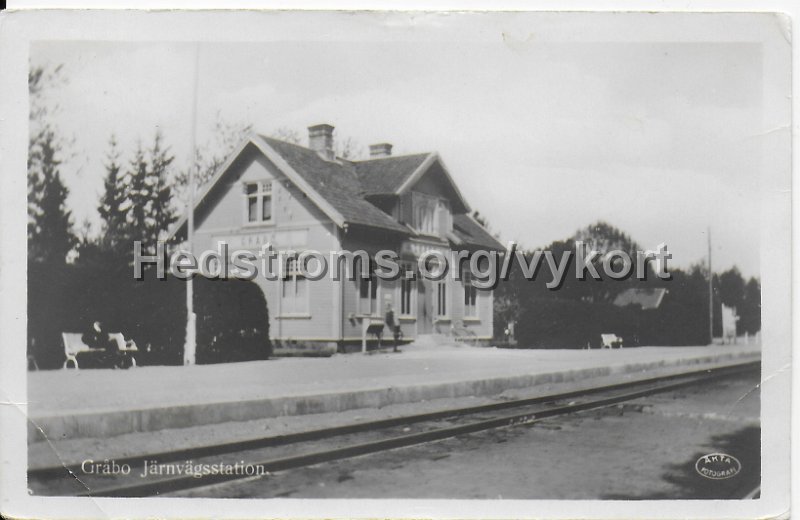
(297,198)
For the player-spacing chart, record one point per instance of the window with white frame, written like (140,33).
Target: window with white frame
(407,290)
(294,290)
(470,296)
(443,217)
(424,213)
(258,203)
(367,291)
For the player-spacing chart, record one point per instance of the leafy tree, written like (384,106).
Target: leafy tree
(750,312)
(580,310)
(287,134)
(731,288)
(211,156)
(346,147)
(41,79)
(744,296)
(603,237)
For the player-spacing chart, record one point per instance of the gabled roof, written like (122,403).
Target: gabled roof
(340,188)
(646,298)
(386,175)
(396,175)
(337,182)
(333,186)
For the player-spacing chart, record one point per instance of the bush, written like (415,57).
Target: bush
(553,323)
(50,308)
(232,316)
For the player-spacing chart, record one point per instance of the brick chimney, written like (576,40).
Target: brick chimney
(380,150)
(320,139)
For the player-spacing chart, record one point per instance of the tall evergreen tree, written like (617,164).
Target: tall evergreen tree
(139,194)
(114,205)
(162,213)
(151,212)
(50,234)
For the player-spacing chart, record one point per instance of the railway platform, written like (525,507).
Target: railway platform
(69,405)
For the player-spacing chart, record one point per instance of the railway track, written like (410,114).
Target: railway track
(293,451)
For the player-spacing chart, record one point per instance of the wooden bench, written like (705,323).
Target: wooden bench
(74,345)
(611,341)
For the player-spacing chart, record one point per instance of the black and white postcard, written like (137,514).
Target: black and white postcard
(399,263)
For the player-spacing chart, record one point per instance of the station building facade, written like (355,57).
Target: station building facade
(305,198)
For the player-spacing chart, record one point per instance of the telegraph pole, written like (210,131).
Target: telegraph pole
(190,346)
(710,293)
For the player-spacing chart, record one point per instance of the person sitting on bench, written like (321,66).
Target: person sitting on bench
(97,338)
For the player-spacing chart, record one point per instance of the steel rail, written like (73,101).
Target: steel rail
(298,461)
(324,433)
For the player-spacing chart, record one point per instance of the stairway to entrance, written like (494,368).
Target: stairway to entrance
(433,340)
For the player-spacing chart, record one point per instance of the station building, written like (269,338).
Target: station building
(306,198)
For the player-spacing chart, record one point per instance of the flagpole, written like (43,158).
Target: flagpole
(190,346)
(710,293)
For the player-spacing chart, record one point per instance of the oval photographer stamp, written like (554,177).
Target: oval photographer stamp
(718,466)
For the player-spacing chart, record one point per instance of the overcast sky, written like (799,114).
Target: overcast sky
(543,137)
